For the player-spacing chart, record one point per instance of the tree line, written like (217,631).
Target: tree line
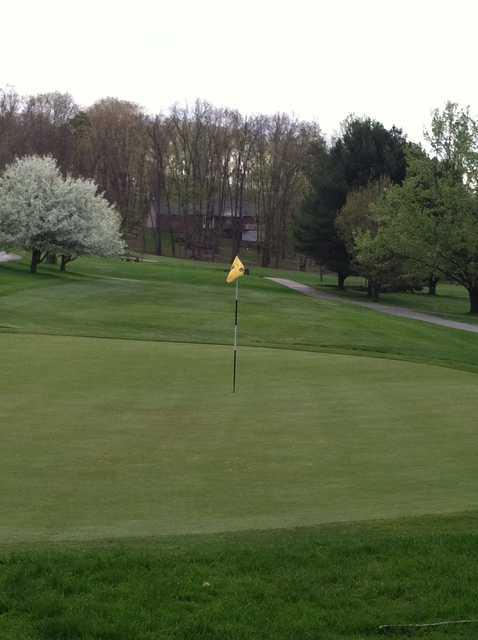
(399,214)
(367,202)
(201,163)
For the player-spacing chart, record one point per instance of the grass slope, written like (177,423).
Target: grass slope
(450,302)
(182,301)
(330,582)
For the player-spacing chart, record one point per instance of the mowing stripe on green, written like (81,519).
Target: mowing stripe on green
(112,438)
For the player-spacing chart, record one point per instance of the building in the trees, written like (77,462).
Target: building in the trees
(171,219)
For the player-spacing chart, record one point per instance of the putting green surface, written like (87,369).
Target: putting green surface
(109,438)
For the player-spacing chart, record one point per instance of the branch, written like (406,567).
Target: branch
(392,627)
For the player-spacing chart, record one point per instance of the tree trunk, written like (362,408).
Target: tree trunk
(373,290)
(173,242)
(159,243)
(51,258)
(63,264)
(473,296)
(432,286)
(156,229)
(266,256)
(302,263)
(341,276)
(36,259)
(236,237)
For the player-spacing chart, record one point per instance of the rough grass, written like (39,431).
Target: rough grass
(332,582)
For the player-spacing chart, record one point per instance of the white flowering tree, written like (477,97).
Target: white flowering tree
(92,226)
(43,212)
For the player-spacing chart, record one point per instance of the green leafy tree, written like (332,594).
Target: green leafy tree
(357,214)
(379,262)
(366,151)
(357,220)
(315,231)
(453,138)
(432,222)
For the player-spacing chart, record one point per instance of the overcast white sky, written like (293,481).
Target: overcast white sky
(393,60)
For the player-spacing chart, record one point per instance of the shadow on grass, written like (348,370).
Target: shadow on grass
(360,292)
(45,272)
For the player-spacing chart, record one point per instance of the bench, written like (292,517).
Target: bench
(132,258)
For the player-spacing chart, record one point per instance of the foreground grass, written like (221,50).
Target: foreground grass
(333,582)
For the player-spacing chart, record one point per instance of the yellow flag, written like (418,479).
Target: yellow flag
(237,271)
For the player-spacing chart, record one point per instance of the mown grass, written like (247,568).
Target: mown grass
(332,582)
(119,438)
(178,300)
(124,434)
(451,301)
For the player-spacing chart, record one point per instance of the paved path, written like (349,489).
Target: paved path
(388,310)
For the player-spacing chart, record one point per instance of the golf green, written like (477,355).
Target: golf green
(112,438)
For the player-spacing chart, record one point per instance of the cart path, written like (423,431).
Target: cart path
(388,310)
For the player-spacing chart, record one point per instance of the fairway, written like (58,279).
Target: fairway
(110,438)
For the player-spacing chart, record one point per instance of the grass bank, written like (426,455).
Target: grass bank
(333,582)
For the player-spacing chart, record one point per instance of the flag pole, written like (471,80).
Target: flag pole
(237,271)
(235,339)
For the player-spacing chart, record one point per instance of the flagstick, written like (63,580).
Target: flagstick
(235,339)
